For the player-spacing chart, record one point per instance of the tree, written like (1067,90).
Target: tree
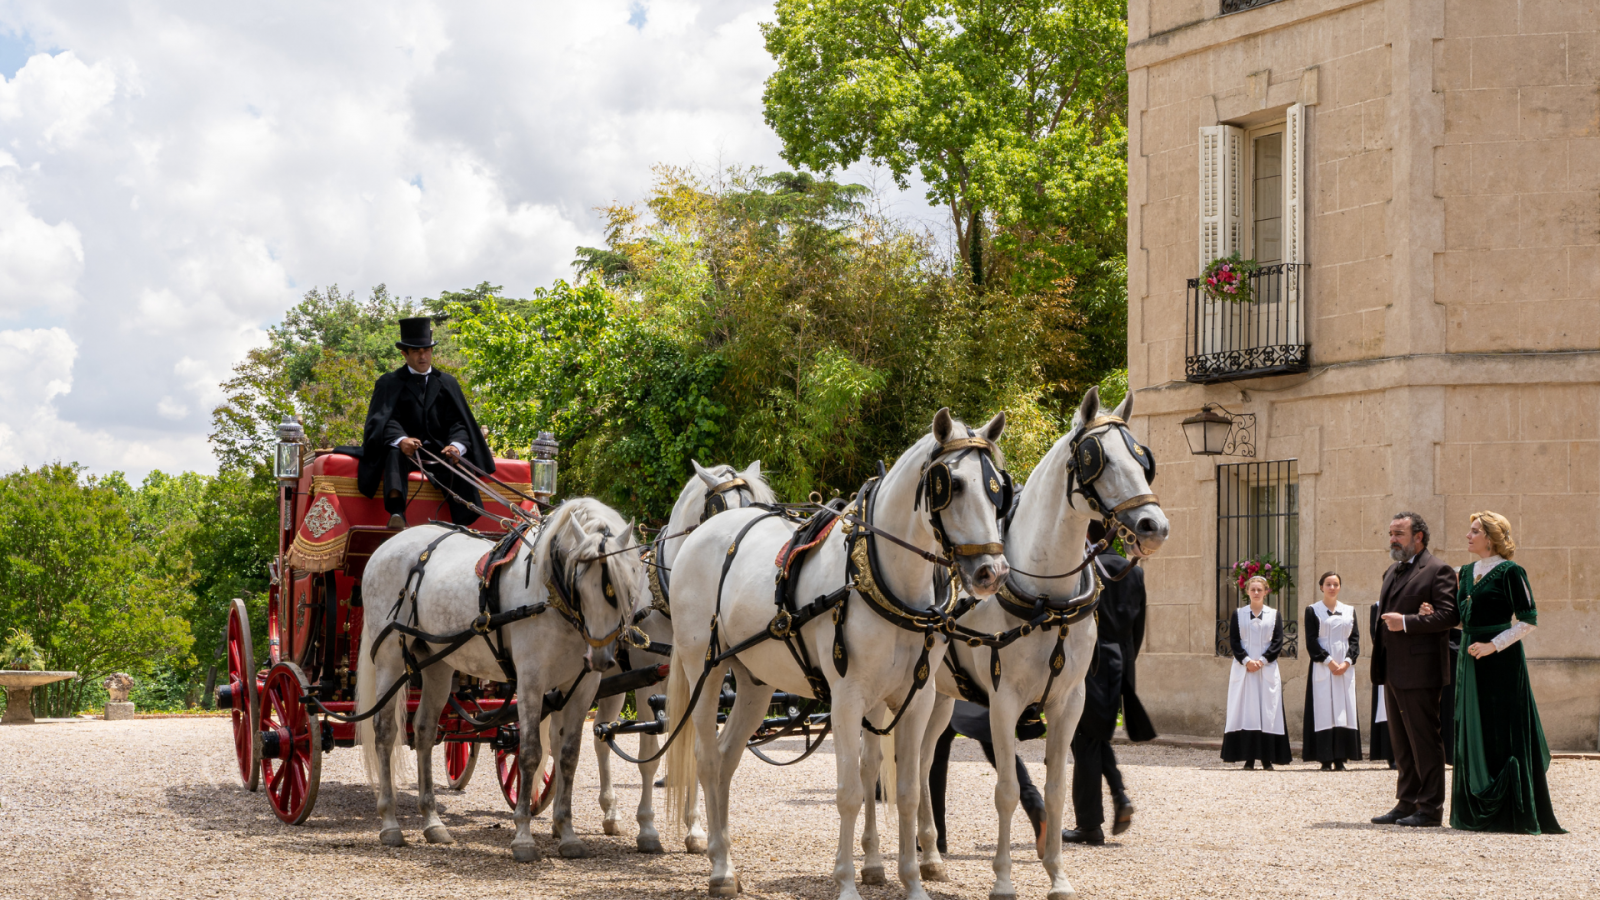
(1015,111)
(319,363)
(74,575)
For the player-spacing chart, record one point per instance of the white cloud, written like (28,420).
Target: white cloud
(173,178)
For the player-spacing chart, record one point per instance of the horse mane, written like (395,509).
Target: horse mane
(920,451)
(694,489)
(588,514)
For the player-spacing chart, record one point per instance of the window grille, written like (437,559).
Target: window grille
(1258,514)
(1233,6)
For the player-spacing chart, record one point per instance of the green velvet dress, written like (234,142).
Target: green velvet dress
(1498,783)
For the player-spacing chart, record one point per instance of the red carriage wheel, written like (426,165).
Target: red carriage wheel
(505,762)
(460,758)
(239,695)
(291,744)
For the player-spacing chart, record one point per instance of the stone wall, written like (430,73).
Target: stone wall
(1453,171)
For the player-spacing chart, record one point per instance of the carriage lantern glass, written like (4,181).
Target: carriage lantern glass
(286,465)
(542,464)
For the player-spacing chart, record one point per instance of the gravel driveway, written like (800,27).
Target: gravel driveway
(153,808)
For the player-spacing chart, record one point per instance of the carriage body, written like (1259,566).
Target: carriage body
(327,530)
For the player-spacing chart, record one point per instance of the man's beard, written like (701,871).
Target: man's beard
(1398,553)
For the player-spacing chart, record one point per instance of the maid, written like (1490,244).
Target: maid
(1332,733)
(1254,728)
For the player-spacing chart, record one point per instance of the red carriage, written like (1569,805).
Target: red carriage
(327,532)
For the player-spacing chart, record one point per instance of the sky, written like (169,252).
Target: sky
(173,177)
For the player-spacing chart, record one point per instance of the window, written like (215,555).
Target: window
(1252,185)
(1258,518)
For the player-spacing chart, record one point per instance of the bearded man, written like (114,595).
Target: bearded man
(418,407)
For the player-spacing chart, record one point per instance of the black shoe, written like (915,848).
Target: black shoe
(1327,767)
(397,522)
(1122,818)
(1418,820)
(1249,764)
(1390,817)
(1338,766)
(1266,765)
(1093,836)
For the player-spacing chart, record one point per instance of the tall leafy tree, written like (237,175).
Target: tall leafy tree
(79,577)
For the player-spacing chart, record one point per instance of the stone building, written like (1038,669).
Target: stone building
(1420,180)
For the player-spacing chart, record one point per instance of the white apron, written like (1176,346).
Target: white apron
(1255,699)
(1333,697)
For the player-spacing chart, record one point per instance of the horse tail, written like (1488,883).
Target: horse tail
(681,756)
(888,777)
(366,698)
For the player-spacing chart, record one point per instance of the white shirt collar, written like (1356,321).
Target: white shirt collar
(415,372)
(1486,565)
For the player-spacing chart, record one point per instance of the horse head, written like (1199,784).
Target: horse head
(966,489)
(594,571)
(1109,474)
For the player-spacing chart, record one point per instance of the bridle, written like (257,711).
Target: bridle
(716,503)
(1088,463)
(563,588)
(941,485)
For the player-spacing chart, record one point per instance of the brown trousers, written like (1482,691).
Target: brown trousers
(1418,749)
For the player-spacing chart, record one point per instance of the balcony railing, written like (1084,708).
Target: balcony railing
(1229,341)
(1233,6)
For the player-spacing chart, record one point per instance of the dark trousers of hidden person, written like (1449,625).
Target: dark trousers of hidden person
(972,720)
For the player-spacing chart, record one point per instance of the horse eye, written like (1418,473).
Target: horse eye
(956,484)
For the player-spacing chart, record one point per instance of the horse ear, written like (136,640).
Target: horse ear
(752,471)
(942,424)
(994,428)
(1125,408)
(710,479)
(1088,409)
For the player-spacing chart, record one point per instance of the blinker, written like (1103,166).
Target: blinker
(940,487)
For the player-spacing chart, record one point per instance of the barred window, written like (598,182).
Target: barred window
(1258,518)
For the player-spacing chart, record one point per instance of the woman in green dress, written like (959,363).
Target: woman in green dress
(1498,783)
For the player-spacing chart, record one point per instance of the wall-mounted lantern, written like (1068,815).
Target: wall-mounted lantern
(1214,431)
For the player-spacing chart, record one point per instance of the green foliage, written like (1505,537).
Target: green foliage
(1113,388)
(76,576)
(20,652)
(630,405)
(319,363)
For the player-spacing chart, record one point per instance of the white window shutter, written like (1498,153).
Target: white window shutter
(1294,183)
(1221,198)
(1294,218)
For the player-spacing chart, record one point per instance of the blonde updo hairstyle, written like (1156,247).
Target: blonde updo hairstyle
(1498,528)
(1260,578)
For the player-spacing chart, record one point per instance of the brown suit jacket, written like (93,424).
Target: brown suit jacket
(1417,657)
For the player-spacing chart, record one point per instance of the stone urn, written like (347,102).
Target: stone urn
(118,684)
(19,685)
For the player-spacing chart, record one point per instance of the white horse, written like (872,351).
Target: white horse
(1046,537)
(708,492)
(722,588)
(566,576)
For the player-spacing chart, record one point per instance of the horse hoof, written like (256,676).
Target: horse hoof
(392,837)
(726,886)
(695,843)
(1009,895)
(438,834)
(934,872)
(1063,895)
(649,844)
(873,875)
(574,850)
(528,852)
(610,826)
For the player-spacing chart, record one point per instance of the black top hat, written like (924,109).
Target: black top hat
(415,333)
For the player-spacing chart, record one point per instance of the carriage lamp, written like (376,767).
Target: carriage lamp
(542,464)
(286,465)
(1214,431)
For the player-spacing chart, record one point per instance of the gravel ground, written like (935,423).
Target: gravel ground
(154,809)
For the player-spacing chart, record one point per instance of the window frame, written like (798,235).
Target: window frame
(1238,522)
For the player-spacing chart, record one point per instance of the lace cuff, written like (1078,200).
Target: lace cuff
(1511,635)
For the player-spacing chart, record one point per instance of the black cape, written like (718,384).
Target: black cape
(1110,685)
(374,449)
